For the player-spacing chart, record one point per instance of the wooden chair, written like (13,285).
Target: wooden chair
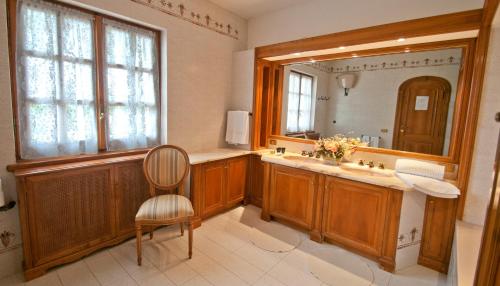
(166,167)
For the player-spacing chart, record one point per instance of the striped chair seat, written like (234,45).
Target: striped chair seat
(165,207)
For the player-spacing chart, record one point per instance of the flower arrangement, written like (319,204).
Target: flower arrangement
(336,147)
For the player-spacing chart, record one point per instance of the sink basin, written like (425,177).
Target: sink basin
(366,171)
(301,159)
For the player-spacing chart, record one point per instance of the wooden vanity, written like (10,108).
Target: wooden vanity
(361,217)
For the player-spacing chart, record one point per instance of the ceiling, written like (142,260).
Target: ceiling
(378,45)
(252,8)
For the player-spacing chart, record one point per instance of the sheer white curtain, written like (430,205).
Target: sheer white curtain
(300,103)
(55,80)
(131,86)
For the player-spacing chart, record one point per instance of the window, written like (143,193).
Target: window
(70,101)
(300,103)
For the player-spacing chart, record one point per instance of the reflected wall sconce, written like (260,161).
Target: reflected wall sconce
(346,81)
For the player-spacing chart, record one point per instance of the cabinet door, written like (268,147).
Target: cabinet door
(214,185)
(437,235)
(354,215)
(236,180)
(256,175)
(69,211)
(132,190)
(292,194)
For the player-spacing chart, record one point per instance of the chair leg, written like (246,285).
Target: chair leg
(182,228)
(138,237)
(190,235)
(151,232)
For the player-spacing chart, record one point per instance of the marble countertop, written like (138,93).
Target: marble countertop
(316,165)
(219,154)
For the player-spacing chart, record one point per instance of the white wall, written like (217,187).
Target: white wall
(481,176)
(371,104)
(199,73)
(319,17)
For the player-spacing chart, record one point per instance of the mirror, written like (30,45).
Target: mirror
(404,101)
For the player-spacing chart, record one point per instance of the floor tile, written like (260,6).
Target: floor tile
(107,270)
(213,272)
(235,248)
(197,281)
(49,279)
(267,280)
(77,274)
(229,260)
(13,280)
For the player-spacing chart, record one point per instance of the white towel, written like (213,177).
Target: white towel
(365,139)
(237,131)
(414,167)
(430,186)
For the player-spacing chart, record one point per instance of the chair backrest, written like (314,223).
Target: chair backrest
(165,168)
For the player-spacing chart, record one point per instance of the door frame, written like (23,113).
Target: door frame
(400,102)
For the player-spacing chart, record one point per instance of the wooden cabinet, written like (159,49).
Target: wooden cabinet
(256,180)
(437,235)
(236,180)
(213,186)
(361,217)
(291,195)
(355,214)
(69,211)
(217,186)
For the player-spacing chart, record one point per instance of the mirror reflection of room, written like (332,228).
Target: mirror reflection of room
(398,101)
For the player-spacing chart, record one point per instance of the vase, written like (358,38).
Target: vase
(332,161)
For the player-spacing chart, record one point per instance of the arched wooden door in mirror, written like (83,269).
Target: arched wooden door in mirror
(421,123)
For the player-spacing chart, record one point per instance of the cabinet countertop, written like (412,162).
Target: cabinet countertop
(384,181)
(219,154)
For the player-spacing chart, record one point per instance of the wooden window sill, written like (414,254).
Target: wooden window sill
(55,162)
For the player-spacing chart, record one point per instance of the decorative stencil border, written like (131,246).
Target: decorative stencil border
(427,62)
(200,19)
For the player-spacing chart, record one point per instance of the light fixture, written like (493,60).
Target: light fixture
(354,56)
(346,81)
(407,50)
(401,39)
(313,61)
(341,48)
(297,54)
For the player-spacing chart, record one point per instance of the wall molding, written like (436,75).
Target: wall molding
(197,18)
(386,65)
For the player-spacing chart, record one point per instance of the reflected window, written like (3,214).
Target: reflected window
(300,103)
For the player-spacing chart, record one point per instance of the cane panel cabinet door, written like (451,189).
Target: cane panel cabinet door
(69,211)
(132,189)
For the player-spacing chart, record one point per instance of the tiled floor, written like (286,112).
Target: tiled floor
(235,248)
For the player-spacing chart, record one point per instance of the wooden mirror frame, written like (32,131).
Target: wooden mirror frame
(479,19)
(461,103)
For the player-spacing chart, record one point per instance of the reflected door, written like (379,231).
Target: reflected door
(421,113)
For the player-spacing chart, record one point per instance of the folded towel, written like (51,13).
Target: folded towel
(365,139)
(237,130)
(414,167)
(430,186)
